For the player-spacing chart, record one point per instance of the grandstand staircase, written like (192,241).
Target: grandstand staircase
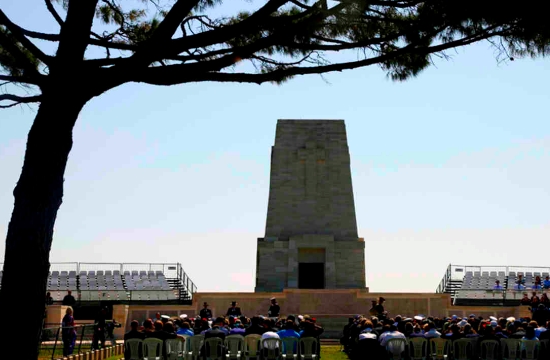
(452,287)
(184,295)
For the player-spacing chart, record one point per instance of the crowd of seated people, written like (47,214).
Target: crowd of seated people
(367,337)
(163,327)
(535,300)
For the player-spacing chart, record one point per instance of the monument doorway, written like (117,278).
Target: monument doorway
(311,275)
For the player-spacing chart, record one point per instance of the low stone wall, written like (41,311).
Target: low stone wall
(331,307)
(98,355)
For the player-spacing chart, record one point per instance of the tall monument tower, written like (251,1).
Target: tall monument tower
(311,239)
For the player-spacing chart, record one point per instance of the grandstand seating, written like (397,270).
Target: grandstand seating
(113,285)
(476,287)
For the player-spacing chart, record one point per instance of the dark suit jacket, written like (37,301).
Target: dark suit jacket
(214,333)
(234,311)
(205,313)
(163,335)
(254,329)
(132,334)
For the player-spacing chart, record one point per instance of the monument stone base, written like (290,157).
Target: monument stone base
(310,262)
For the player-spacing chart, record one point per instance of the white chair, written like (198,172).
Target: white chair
(290,348)
(195,345)
(213,349)
(510,348)
(462,349)
(529,349)
(152,349)
(418,348)
(396,348)
(251,346)
(490,350)
(133,348)
(308,348)
(271,348)
(440,348)
(235,346)
(175,348)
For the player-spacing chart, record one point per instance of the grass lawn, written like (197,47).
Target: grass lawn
(332,352)
(328,352)
(115,357)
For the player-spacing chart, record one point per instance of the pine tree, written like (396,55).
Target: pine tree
(168,42)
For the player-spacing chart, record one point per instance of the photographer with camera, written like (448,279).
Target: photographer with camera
(99,329)
(110,327)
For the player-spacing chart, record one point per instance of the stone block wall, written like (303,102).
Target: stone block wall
(349,262)
(277,262)
(310,183)
(272,265)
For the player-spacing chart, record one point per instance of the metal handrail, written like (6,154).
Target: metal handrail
(58,330)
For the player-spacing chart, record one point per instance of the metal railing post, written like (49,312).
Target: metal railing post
(55,342)
(81,338)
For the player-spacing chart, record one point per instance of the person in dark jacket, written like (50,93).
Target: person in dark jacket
(99,329)
(205,312)
(234,310)
(134,333)
(541,315)
(274,308)
(255,327)
(215,332)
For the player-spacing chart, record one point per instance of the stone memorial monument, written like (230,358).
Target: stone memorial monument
(311,239)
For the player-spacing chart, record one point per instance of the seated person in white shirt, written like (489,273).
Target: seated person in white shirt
(432,331)
(270,335)
(392,334)
(497,285)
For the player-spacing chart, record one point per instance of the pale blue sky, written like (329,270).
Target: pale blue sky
(449,167)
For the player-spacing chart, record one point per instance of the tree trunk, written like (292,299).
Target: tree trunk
(38,196)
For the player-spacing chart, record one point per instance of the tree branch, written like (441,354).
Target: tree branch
(17,100)
(395,4)
(15,30)
(37,35)
(178,74)
(106,61)
(29,68)
(225,33)
(20,79)
(173,19)
(112,45)
(75,33)
(299,4)
(54,13)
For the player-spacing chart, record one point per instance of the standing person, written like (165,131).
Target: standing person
(372,310)
(381,312)
(205,312)
(68,332)
(99,329)
(69,299)
(234,310)
(274,308)
(49,299)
